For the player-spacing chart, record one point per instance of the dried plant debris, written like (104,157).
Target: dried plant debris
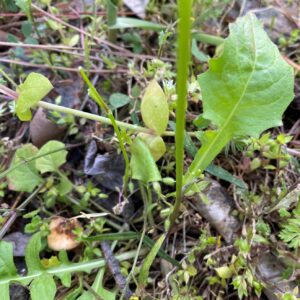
(217,208)
(270,270)
(107,169)
(43,130)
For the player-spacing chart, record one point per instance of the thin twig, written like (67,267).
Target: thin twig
(114,267)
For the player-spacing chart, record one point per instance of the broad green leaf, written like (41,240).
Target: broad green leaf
(144,273)
(24,177)
(154,108)
(123,22)
(35,88)
(245,91)
(143,166)
(155,143)
(118,100)
(32,254)
(43,287)
(51,162)
(7,266)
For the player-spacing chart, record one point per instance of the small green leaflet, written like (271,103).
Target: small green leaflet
(155,144)
(154,108)
(143,166)
(118,100)
(245,91)
(51,162)
(24,177)
(43,287)
(32,254)
(34,89)
(7,266)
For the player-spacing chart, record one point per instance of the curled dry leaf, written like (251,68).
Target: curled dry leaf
(107,169)
(62,235)
(43,130)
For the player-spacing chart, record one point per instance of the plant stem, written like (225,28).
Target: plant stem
(69,268)
(89,116)
(208,38)
(183,60)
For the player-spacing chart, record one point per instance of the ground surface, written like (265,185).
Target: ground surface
(237,238)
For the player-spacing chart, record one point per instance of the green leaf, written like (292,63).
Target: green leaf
(32,254)
(122,23)
(217,171)
(26,28)
(132,235)
(66,277)
(154,108)
(250,85)
(224,272)
(245,91)
(34,89)
(65,186)
(142,164)
(155,144)
(144,273)
(25,177)
(43,287)
(51,162)
(99,289)
(197,53)
(24,5)
(7,266)
(118,100)
(4,291)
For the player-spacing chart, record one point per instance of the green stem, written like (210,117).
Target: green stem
(150,207)
(207,38)
(96,96)
(93,117)
(183,60)
(75,267)
(206,154)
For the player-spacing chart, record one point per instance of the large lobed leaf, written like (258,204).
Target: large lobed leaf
(250,85)
(245,91)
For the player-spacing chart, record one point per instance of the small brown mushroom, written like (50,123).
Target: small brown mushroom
(61,236)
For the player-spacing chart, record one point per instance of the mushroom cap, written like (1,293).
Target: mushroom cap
(61,236)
